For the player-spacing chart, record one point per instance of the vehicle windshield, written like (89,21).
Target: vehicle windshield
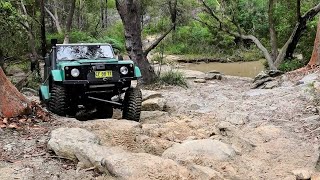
(76,52)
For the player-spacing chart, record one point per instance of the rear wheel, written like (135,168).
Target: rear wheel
(58,100)
(132,104)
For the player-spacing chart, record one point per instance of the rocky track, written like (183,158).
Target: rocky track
(213,130)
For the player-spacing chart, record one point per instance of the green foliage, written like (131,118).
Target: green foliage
(190,39)
(114,36)
(33,81)
(157,27)
(172,77)
(12,34)
(290,65)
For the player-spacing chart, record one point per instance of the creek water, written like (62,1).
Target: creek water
(243,69)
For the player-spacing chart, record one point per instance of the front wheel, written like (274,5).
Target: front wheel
(132,104)
(58,100)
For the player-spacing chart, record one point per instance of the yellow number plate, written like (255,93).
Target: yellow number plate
(103,74)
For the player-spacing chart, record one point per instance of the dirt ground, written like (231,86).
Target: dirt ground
(273,131)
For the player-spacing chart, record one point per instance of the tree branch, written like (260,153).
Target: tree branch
(50,13)
(255,40)
(155,44)
(298,10)
(312,12)
(300,28)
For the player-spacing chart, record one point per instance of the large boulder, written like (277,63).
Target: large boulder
(155,104)
(205,150)
(144,166)
(65,141)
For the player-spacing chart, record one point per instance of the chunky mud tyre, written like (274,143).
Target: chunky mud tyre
(58,100)
(132,104)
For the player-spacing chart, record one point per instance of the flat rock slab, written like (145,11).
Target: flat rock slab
(208,150)
(144,166)
(147,94)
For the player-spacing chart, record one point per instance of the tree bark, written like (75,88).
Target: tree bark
(315,58)
(12,102)
(130,13)
(69,22)
(273,34)
(1,60)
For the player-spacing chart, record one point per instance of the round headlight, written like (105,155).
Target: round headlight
(75,72)
(124,70)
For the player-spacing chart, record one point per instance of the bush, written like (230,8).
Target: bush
(173,77)
(290,65)
(75,37)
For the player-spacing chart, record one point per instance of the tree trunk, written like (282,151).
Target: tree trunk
(173,12)
(273,35)
(43,30)
(32,42)
(12,102)
(130,12)
(69,22)
(315,58)
(102,13)
(106,15)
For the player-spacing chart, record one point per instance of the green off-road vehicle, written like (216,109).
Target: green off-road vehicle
(89,77)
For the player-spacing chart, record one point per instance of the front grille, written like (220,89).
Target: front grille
(87,72)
